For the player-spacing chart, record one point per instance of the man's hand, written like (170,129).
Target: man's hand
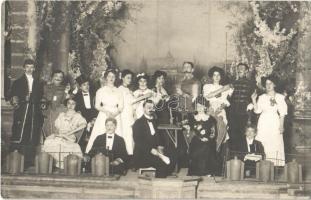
(154,152)
(115,162)
(15,102)
(86,158)
(160,149)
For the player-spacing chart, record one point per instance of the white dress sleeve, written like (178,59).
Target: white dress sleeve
(281,104)
(79,120)
(59,121)
(260,104)
(121,101)
(98,98)
(207,89)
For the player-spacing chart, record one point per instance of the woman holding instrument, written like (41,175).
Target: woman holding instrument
(141,94)
(63,141)
(217,95)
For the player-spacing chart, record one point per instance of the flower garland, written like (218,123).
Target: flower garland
(269,37)
(263,48)
(96,25)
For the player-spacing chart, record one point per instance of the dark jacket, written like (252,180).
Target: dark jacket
(256,148)
(118,148)
(144,142)
(27,116)
(20,89)
(88,114)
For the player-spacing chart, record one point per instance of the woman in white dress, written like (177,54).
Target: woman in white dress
(272,109)
(217,95)
(109,103)
(63,141)
(127,115)
(141,94)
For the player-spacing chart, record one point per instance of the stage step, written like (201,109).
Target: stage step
(64,187)
(223,189)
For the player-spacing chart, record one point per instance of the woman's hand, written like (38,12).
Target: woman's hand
(254,97)
(281,129)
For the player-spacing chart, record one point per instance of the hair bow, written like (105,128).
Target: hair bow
(140,74)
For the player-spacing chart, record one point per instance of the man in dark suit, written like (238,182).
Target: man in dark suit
(85,99)
(148,152)
(26,93)
(112,146)
(250,150)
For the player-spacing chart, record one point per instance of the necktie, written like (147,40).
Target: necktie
(252,148)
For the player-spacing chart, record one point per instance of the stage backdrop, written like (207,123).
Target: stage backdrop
(169,32)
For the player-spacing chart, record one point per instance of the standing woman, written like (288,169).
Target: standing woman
(272,109)
(217,95)
(109,103)
(161,98)
(55,94)
(127,115)
(141,94)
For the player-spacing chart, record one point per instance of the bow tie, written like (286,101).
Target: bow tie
(85,94)
(150,120)
(109,136)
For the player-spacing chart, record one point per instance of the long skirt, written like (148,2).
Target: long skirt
(59,148)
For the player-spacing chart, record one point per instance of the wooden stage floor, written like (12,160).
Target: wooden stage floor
(59,186)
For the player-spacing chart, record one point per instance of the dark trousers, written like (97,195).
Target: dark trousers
(237,124)
(28,150)
(119,169)
(251,166)
(162,170)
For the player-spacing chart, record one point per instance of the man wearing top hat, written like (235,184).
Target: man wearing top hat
(85,99)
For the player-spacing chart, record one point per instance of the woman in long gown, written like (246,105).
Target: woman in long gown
(109,103)
(202,148)
(54,95)
(127,115)
(63,141)
(141,94)
(217,95)
(272,109)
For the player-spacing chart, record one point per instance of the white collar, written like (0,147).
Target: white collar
(249,141)
(29,76)
(148,117)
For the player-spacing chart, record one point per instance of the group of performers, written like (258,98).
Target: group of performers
(123,123)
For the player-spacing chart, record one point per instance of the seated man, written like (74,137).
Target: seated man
(251,150)
(112,146)
(147,151)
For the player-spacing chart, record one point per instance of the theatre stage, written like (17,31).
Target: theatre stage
(130,186)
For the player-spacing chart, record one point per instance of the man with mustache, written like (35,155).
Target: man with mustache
(148,151)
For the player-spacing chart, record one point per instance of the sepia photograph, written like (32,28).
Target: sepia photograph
(155,99)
